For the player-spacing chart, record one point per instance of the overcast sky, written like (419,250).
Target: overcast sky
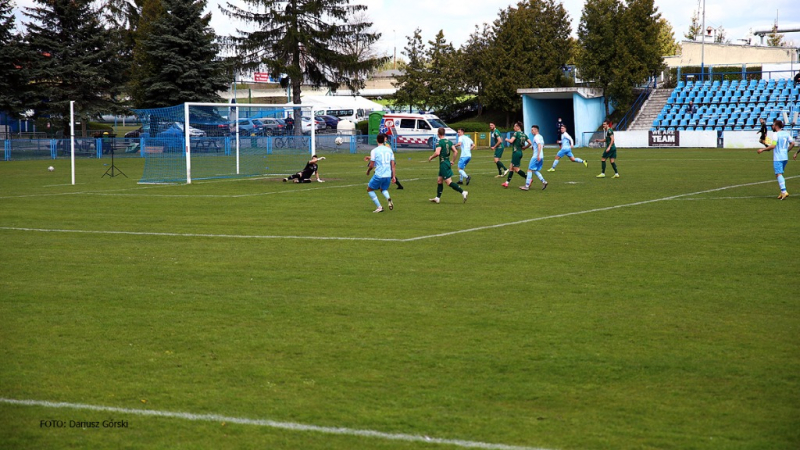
(396,19)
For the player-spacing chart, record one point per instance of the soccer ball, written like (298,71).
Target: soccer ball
(51,168)
(338,141)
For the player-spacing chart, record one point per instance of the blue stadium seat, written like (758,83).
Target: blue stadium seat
(681,84)
(718,128)
(728,128)
(681,129)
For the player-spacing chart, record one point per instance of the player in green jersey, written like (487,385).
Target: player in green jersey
(610,151)
(444,148)
(518,142)
(496,141)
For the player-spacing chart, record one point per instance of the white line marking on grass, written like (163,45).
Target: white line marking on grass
(207,235)
(726,198)
(335,238)
(292,426)
(608,208)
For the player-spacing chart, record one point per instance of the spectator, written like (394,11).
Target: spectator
(559,126)
(691,108)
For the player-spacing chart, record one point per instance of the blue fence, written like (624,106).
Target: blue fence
(22,149)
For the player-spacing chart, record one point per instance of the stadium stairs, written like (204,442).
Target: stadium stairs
(651,109)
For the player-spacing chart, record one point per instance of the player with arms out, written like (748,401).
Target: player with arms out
(381,158)
(311,168)
(610,152)
(566,150)
(518,142)
(537,160)
(443,150)
(496,141)
(780,155)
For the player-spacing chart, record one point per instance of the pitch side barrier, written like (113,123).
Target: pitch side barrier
(691,139)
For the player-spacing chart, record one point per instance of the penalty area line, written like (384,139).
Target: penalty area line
(291,426)
(575,213)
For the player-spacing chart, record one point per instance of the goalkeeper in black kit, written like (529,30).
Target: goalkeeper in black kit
(311,169)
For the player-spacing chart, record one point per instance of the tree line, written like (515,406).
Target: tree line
(154,53)
(620,44)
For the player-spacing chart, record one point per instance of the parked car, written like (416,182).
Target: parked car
(331,122)
(176,130)
(135,133)
(273,126)
(319,125)
(250,127)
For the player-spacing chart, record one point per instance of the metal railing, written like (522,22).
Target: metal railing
(624,123)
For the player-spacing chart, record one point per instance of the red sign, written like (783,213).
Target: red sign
(262,77)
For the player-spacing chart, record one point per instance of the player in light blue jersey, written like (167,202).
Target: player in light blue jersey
(566,150)
(464,144)
(537,159)
(780,154)
(381,158)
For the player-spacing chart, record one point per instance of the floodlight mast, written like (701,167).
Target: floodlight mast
(703,45)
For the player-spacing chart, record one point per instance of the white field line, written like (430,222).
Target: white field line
(727,198)
(418,238)
(291,426)
(203,235)
(608,208)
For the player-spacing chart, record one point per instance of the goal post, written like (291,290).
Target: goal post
(196,141)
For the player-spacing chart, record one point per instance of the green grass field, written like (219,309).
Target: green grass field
(659,310)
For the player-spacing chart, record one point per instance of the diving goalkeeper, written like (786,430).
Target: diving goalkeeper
(311,168)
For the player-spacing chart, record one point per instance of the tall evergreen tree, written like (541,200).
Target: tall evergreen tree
(531,46)
(666,38)
(412,88)
(475,62)
(178,57)
(775,39)
(619,47)
(13,63)
(303,39)
(74,58)
(443,79)
(694,27)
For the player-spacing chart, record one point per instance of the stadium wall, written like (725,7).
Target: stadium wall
(688,139)
(589,115)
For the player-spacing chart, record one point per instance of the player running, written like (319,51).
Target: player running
(381,158)
(496,141)
(537,160)
(610,152)
(443,150)
(780,156)
(566,150)
(464,143)
(518,142)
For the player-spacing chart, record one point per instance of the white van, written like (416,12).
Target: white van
(415,129)
(351,114)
